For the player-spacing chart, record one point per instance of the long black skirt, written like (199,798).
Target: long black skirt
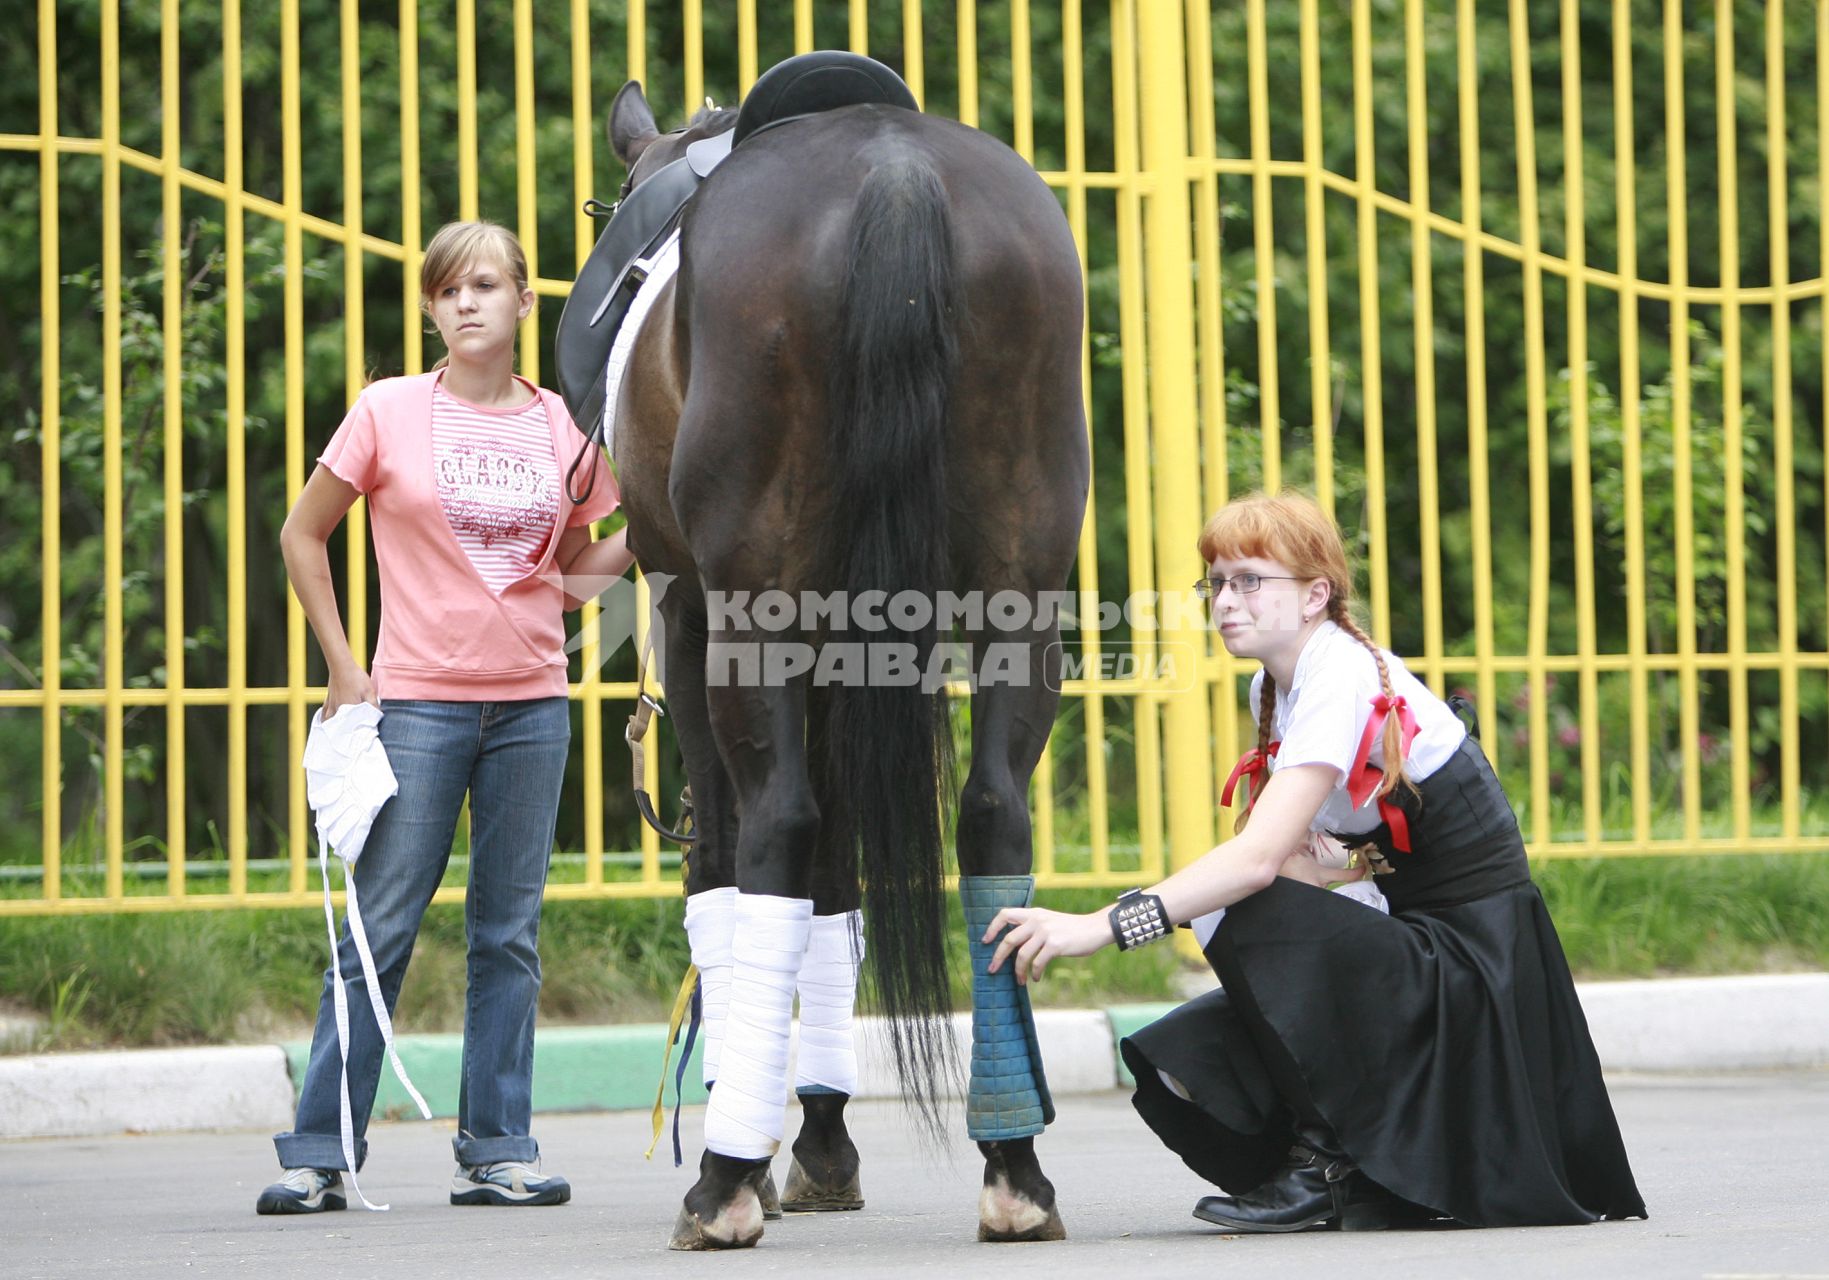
(1444,1046)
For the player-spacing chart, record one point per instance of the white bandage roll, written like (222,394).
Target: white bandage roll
(828,996)
(745,1117)
(1366,892)
(711,924)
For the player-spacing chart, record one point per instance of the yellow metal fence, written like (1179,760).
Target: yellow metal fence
(1133,94)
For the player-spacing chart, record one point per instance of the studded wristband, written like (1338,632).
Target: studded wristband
(1138,918)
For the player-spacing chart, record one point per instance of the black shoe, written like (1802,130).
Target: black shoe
(1366,1206)
(1298,1198)
(1318,1187)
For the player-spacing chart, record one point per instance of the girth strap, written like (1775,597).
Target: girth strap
(646,707)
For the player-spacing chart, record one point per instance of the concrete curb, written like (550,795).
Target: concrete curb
(1764,1022)
(67,1095)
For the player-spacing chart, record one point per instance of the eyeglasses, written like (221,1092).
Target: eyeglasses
(1243,583)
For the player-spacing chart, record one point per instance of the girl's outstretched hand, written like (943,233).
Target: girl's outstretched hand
(1035,936)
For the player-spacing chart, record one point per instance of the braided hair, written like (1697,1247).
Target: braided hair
(1391,741)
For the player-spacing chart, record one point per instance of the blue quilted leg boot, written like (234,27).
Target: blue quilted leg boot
(1009,1094)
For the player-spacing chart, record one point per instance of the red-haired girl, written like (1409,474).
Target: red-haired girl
(1358,1070)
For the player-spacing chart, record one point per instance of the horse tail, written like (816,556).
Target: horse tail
(888,771)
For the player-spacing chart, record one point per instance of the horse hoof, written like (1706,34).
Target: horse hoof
(1007,1218)
(692,1235)
(771,1199)
(806,1196)
(1049,1228)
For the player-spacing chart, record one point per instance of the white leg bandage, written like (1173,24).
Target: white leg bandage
(745,1117)
(711,923)
(828,994)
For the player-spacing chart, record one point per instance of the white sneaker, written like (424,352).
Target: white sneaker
(303,1191)
(507,1182)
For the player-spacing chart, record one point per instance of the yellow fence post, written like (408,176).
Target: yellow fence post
(1625,201)
(1733,514)
(114,730)
(50,453)
(1479,483)
(172,331)
(1174,429)
(292,155)
(235,352)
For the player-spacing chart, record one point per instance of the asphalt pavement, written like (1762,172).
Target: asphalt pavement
(1731,1167)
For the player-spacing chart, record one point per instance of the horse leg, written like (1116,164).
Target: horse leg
(1008,1103)
(711,879)
(761,737)
(823,1175)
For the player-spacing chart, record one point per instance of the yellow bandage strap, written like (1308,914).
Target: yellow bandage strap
(681,1003)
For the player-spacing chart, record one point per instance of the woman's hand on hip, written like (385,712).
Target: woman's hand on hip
(1321,861)
(347,687)
(1035,936)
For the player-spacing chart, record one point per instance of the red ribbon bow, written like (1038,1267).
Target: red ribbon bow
(1394,818)
(1253,765)
(1365,777)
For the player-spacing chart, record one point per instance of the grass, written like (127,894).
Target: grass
(228,976)
(1646,917)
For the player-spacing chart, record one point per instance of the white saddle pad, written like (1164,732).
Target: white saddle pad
(660,268)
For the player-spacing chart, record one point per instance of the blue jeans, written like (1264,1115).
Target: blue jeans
(510,757)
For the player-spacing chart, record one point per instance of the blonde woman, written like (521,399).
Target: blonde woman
(1358,1070)
(464,470)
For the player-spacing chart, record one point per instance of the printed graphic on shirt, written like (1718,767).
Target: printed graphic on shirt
(498,483)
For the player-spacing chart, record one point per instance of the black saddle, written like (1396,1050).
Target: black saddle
(820,81)
(610,278)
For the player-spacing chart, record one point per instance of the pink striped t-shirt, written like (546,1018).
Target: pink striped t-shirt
(498,483)
(444,635)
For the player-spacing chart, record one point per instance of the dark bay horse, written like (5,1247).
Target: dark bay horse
(865,378)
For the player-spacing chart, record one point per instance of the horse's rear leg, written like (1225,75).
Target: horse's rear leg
(1008,1103)
(760,734)
(824,1173)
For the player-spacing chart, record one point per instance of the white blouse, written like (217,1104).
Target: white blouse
(1321,718)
